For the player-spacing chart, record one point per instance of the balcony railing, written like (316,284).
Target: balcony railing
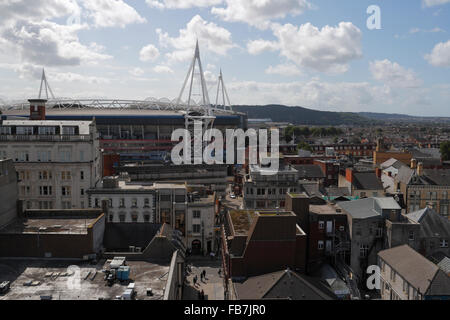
(46,138)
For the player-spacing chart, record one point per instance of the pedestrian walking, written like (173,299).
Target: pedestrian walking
(204,274)
(195,281)
(220,272)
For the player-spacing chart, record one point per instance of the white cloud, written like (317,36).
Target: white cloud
(343,96)
(137,72)
(434,30)
(162,69)
(259,13)
(329,49)
(258,46)
(284,70)
(393,74)
(48,43)
(111,13)
(181,4)
(34,72)
(440,55)
(433,3)
(211,37)
(149,53)
(30,33)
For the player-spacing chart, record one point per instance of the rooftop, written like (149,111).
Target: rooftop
(366,208)
(91,286)
(411,265)
(49,225)
(324,209)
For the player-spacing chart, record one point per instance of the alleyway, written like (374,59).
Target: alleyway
(212,286)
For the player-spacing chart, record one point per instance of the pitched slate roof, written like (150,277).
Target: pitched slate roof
(404,175)
(432,224)
(309,171)
(410,265)
(367,181)
(338,192)
(392,162)
(444,265)
(282,285)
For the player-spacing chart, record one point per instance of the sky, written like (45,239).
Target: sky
(320,54)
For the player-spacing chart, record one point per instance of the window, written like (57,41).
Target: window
(65,155)
(65,191)
(110,203)
(122,203)
(405,286)
(393,275)
(196,228)
(146,203)
(134,203)
(96,203)
(147,218)
(379,232)
(122,218)
(45,205)
(165,197)
(444,209)
(411,235)
(134,217)
(363,250)
(180,198)
(443,243)
(45,190)
(82,192)
(69,130)
(321,225)
(22,156)
(66,175)
(24,130)
(44,156)
(320,245)
(46,131)
(45,175)
(196,214)
(66,205)
(81,175)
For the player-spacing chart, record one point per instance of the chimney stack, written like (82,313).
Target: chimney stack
(420,169)
(349,175)
(413,164)
(37,109)
(378,172)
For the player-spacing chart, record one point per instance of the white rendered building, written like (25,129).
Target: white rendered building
(56,161)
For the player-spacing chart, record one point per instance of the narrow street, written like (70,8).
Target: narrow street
(212,285)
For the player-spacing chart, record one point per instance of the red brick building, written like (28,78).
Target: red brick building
(259,242)
(326,229)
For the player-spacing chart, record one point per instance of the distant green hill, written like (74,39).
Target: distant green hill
(300,115)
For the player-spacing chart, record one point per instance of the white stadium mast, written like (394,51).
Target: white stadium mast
(46,86)
(221,89)
(201,118)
